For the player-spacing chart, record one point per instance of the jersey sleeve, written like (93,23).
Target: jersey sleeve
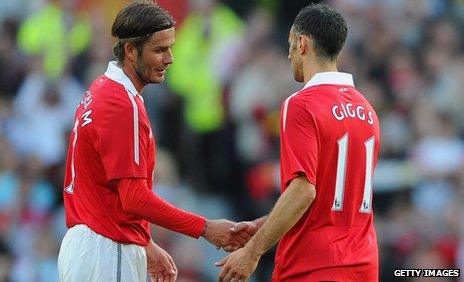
(137,199)
(122,138)
(299,143)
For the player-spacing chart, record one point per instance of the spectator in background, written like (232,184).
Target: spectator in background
(57,33)
(13,64)
(258,76)
(26,202)
(5,261)
(41,116)
(206,31)
(195,260)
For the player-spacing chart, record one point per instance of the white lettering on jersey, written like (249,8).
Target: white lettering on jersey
(337,114)
(360,113)
(349,109)
(371,118)
(86,118)
(342,111)
(87,99)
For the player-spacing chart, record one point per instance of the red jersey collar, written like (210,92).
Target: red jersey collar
(334,78)
(115,73)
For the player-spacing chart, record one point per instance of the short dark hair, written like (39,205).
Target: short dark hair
(136,23)
(326,26)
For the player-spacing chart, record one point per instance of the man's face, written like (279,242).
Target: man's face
(294,56)
(156,56)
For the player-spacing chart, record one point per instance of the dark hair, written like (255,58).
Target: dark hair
(325,26)
(136,23)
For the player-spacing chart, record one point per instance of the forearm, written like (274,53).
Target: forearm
(288,210)
(138,200)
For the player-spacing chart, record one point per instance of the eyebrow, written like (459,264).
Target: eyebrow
(163,46)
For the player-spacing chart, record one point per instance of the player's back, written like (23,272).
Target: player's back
(337,232)
(349,140)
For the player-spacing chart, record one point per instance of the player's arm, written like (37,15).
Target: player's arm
(299,159)
(126,167)
(287,211)
(138,200)
(290,207)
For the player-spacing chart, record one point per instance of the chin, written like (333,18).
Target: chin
(157,80)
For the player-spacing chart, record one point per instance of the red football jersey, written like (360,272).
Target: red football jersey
(330,133)
(111,139)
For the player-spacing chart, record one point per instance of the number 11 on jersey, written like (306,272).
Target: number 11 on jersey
(341,174)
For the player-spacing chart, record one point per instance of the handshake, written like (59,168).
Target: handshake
(229,235)
(222,233)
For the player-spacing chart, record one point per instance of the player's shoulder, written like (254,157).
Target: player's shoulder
(109,93)
(290,100)
(104,85)
(298,100)
(294,105)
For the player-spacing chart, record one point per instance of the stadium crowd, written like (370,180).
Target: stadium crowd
(216,121)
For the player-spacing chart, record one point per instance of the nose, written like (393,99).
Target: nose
(168,58)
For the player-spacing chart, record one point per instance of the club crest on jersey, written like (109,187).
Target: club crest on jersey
(348,110)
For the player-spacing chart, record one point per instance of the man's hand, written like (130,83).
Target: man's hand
(160,265)
(238,266)
(219,233)
(247,227)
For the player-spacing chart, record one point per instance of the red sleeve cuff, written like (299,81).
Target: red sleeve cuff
(199,227)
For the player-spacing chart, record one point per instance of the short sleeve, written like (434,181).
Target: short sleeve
(122,142)
(299,143)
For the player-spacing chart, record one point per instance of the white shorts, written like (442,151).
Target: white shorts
(88,256)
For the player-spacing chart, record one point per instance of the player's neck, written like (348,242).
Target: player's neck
(312,68)
(134,78)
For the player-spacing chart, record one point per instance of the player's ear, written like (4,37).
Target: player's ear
(130,51)
(302,44)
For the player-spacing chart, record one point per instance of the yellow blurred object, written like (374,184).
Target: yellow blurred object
(192,75)
(45,34)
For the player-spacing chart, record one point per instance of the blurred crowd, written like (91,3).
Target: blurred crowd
(216,121)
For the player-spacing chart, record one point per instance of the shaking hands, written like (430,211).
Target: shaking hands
(229,235)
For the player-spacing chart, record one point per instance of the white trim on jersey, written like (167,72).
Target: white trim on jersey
(114,72)
(136,128)
(285,110)
(331,77)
